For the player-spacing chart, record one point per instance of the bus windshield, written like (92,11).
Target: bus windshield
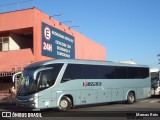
(28,84)
(36,79)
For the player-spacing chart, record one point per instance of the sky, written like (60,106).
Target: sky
(128,29)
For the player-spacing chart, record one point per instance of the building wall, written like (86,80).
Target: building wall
(18,42)
(13,39)
(17,21)
(85,48)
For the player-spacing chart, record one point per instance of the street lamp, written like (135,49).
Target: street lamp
(65,22)
(73,26)
(57,15)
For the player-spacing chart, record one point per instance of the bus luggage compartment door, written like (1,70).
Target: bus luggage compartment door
(88,96)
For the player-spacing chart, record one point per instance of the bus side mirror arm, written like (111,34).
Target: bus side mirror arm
(13,77)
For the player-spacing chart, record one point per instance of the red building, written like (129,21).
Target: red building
(29,35)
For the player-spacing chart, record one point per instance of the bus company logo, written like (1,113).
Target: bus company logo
(85,84)
(47,33)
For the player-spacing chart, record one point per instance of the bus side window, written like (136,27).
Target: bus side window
(107,72)
(66,76)
(72,72)
(143,72)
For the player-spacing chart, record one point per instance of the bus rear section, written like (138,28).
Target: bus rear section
(64,84)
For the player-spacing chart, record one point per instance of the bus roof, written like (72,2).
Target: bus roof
(77,61)
(154,70)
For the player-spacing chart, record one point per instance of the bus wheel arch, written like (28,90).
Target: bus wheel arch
(131,97)
(65,103)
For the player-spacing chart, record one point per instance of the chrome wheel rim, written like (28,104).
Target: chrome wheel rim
(131,98)
(64,104)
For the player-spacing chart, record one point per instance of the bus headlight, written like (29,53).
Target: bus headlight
(33,105)
(31,99)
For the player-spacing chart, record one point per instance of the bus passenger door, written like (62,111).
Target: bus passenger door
(44,88)
(44,99)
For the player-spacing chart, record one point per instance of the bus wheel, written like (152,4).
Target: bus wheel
(131,98)
(65,104)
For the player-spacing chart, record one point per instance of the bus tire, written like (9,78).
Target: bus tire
(131,98)
(65,104)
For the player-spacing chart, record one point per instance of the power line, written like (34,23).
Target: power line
(16,3)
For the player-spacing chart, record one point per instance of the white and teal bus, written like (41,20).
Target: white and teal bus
(67,83)
(155,81)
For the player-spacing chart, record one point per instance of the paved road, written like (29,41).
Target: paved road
(110,110)
(151,104)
